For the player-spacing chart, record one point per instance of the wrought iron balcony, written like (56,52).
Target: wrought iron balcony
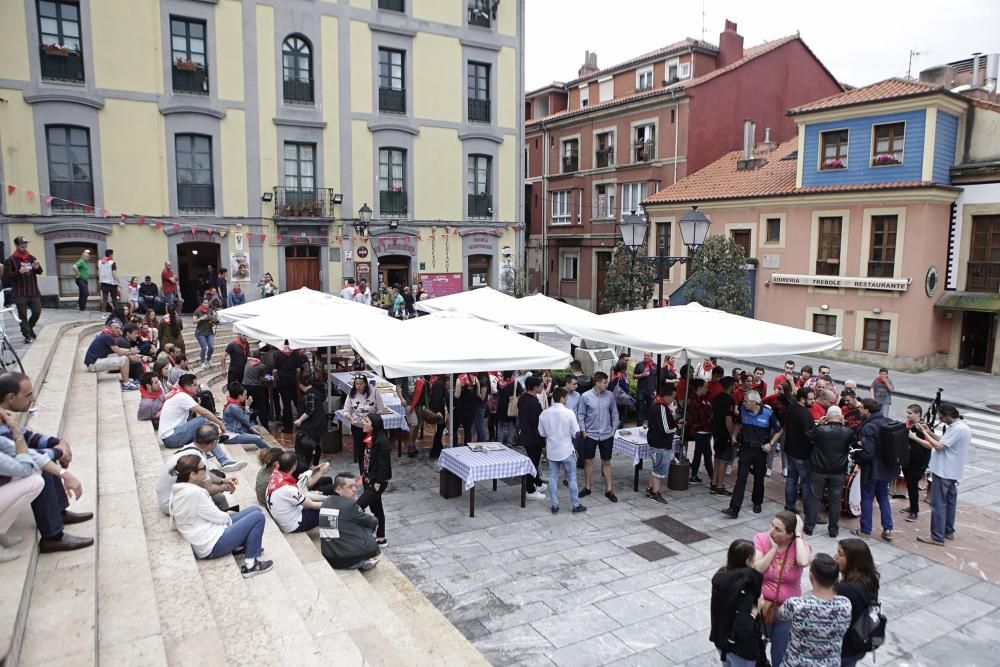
(392,203)
(299,92)
(81,193)
(479,111)
(479,13)
(570,163)
(877,269)
(391,5)
(481,205)
(645,151)
(392,100)
(195,197)
(303,203)
(187,80)
(60,64)
(983,277)
(605,156)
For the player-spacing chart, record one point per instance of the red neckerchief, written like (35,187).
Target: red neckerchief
(253,361)
(107,330)
(245,344)
(279,479)
(107,260)
(22,256)
(145,393)
(202,310)
(287,351)
(173,392)
(708,365)
(659,400)
(232,401)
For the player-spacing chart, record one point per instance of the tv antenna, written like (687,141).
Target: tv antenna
(909,63)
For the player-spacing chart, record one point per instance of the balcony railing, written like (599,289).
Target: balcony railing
(481,205)
(570,163)
(391,5)
(644,151)
(80,193)
(605,157)
(828,267)
(983,277)
(61,64)
(195,197)
(878,269)
(303,203)
(479,111)
(479,13)
(193,81)
(392,203)
(392,100)
(299,92)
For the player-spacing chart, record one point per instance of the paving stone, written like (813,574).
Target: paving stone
(513,645)
(592,652)
(652,631)
(501,620)
(565,629)
(582,598)
(633,607)
(648,658)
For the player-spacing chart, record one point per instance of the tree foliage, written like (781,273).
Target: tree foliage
(630,280)
(719,276)
(513,282)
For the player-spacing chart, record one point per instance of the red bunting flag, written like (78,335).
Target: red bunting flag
(87,208)
(31,194)
(279,238)
(194,229)
(175,227)
(309,239)
(209,230)
(142,219)
(122,217)
(48,199)
(11,189)
(263,237)
(158,224)
(105,212)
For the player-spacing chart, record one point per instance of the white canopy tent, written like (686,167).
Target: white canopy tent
(450,344)
(699,332)
(484,303)
(282,303)
(315,324)
(542,314)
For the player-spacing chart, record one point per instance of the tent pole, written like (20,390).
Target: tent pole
(451,412)
(687,392)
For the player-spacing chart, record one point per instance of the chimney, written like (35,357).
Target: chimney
(975,69)
(992,65)
(749,138)
(942,75)
(589,64)
(730,45)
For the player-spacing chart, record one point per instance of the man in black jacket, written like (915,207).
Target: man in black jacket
(345,531)
(529,409)
(438,404)
(831,442)
(797,422)
(662,428)
(311,423)
(875,475)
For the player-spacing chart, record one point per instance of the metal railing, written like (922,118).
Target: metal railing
(299,92)
(479,111)
(190,81)
(195,197)
(303,202)
(80,193)
(392,100)
(481,205)
(570,163)
(877,269)
(983,277)
(828,267)
(479,14)
(391,5)
(392,202)
(605,157)
(644,151)
(61,64)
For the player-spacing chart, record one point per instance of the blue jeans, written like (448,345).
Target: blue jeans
(875,490)
(246,439)
(482,435)
(309,520)
(184,435)
(779,633)
(944,501)
(83,288)
(733,660)
(798,470)
(49,505)
(569,467)
(246,530)
(207,345)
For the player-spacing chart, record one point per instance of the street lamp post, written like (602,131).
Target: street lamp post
(364,219)
(693,226)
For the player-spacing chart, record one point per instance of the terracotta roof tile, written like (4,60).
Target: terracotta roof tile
(721,180)
(676,46)
(889,89)
(748,55)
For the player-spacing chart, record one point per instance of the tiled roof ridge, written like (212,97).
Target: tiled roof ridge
(663,50)
(893,87)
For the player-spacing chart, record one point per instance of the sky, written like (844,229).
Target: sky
(860,42)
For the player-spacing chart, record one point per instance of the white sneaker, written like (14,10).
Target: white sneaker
(784,473)
(542,488)
(537,495)
(369,564)
(729,470)
(8,554)
(234,466)
(10,540)
(769,472)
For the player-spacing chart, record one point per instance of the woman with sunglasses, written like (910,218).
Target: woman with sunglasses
(362,401)
(211,532)
(376,471)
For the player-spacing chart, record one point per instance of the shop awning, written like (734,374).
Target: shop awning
(984,302)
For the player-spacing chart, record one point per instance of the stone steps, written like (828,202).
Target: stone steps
(65,584)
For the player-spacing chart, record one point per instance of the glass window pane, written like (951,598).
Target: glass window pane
(57,153)
(49,26)
(81,173)
(47,8)
(290,151)
(71,29)
(196,29)
(197,46)
(179,44)
(58,171)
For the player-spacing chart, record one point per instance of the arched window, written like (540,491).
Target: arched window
(296,65)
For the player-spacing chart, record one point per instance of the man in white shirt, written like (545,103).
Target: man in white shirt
(948,455)
(206,438)
(364,294)
(292,509)
(177,430)
(558,425)
(348,291)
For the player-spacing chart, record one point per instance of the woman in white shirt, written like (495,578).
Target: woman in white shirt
(211,532)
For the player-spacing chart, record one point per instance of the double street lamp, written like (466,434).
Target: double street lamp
(694,230)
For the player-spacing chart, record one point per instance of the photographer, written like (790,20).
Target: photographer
(204,332)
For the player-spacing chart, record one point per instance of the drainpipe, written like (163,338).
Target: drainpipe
(677,129)
(545,199)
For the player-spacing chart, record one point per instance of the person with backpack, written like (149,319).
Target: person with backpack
(735,591)
(858,583)
(875,473)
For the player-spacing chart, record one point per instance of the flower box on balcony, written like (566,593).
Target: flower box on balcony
(884,159)
(833,163)
(56,50)
(186,65)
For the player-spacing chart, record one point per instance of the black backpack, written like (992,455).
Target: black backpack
(893,444)
(868,632)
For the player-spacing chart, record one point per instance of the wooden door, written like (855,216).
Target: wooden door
(977,340)
(603,262)
(301,268)
(742,238)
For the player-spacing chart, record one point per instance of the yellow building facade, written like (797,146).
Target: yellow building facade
(258,134)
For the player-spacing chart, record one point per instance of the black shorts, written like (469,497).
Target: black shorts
(722,445)
(588,448)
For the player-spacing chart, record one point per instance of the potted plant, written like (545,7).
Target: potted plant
(833,163)
(56,49)
(186,65)
(752,262)
(885,158)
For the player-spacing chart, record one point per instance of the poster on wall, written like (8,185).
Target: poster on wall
(441,284)
(239,267)
(363,271)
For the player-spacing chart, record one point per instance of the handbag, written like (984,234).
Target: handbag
(772,608)
(512,403)
(623,399)
(431,417)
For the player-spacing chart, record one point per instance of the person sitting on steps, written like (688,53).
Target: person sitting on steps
(293,510)
(346,532)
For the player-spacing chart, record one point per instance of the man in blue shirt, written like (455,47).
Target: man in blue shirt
(104,355)
(598,417)
(758,429)
(948,467)
(645,374)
